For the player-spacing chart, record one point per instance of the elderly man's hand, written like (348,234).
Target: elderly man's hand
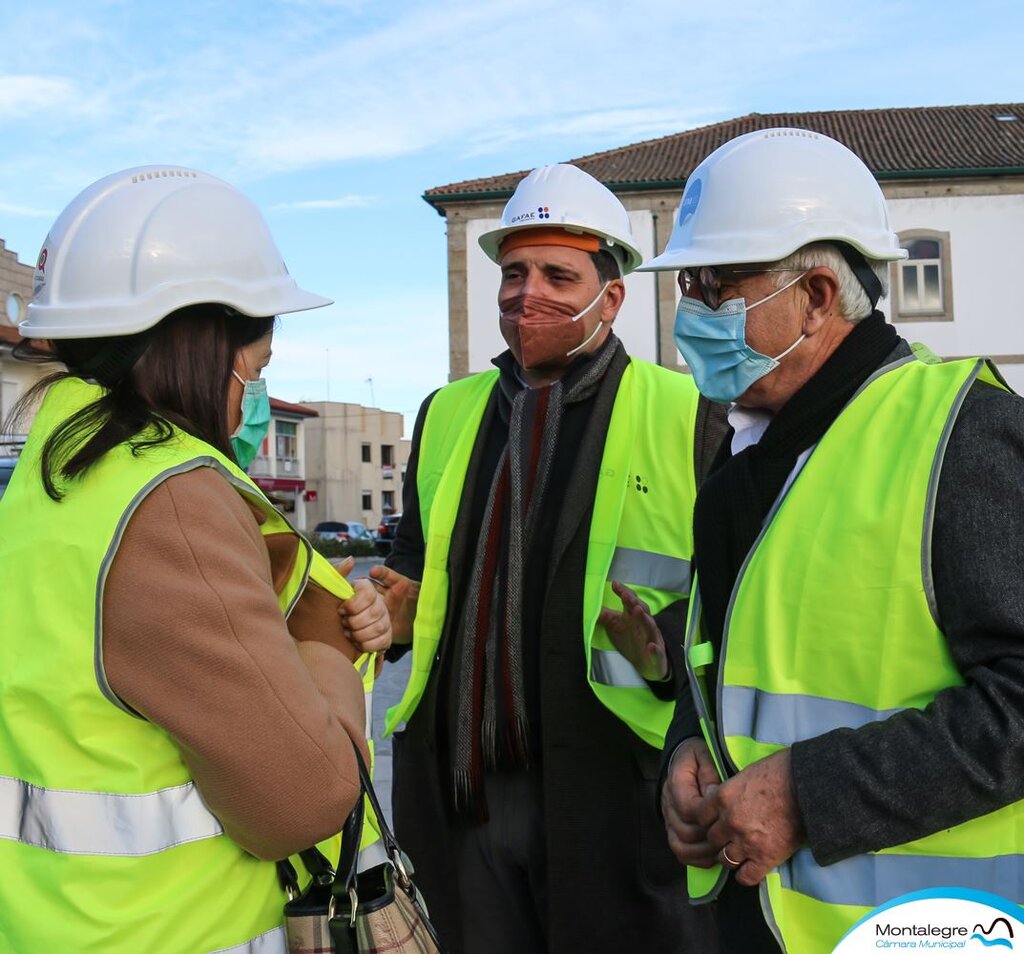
(753,819)
(635,634)
(691,772)
(364,615)
(401,595)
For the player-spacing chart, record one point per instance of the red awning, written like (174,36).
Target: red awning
(279,483)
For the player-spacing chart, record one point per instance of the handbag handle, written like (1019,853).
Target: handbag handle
(344,876)
(350,841)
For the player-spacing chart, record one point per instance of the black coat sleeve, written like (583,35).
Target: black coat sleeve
(408,549)
(671,623)
(963,756)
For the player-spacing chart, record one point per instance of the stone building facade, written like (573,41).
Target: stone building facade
(953,177)
(16,377)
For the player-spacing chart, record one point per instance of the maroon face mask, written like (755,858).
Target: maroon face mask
(545,334)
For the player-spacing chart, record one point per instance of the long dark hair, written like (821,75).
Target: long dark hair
(176,373)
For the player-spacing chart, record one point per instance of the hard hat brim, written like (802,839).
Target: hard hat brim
(491,241)
(702,254)
(110,319)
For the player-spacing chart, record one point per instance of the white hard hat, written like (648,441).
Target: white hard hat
(564,197)
(763,195)
(139,244)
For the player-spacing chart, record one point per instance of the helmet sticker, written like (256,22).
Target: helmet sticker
(543,212)
(40,276)
(690,201)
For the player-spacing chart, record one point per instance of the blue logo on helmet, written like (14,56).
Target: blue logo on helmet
(690,201)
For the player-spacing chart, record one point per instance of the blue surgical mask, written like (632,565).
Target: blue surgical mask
(255,424)
(714,345)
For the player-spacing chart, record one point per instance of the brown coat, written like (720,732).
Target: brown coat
(193,640)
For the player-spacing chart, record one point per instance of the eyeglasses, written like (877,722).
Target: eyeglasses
(708,279)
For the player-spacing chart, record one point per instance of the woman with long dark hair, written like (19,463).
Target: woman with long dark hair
(178,689)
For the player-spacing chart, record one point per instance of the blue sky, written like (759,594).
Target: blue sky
(336,115)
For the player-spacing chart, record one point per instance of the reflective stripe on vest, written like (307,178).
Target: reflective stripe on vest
(832,624)
(654,570)
(870,880)
(272,942)
(100,823)
(609,667)
(785,718)
(640,532)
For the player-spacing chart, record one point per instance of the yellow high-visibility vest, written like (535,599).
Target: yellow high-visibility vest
(107,843)
(640,533)
(833,624)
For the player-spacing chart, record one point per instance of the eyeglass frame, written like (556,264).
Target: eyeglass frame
(709,280)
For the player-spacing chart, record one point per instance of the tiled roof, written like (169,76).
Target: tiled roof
(926,140)
(276,404)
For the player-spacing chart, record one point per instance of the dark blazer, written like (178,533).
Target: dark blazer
(613,883)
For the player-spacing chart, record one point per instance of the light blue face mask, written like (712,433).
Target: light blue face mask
(714,345)
(255,424)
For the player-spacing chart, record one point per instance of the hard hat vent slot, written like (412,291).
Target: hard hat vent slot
(164,174)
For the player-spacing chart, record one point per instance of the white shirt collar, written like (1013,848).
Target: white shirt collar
(748,424)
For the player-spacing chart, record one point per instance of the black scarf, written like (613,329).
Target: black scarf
(735,499)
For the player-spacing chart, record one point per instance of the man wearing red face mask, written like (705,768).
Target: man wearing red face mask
(540,573)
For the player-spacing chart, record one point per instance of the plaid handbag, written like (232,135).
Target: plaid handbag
(369,912)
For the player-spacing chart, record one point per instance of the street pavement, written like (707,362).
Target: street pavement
(387,691)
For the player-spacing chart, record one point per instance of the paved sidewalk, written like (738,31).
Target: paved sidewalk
(388,690)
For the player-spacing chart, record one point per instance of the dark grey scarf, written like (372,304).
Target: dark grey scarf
(491,728)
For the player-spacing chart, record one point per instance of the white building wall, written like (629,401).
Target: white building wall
(985,254)
(635,325)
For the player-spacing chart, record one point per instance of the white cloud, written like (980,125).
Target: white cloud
(610,125)
(26,95)
(318,82)
(27,211)
(342,202)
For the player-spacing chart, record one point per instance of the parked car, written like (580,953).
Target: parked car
(386,532)
(6,469)
(340,530)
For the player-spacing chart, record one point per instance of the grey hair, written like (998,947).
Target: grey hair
(854,303)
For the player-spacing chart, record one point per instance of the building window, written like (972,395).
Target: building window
(366,453)
(367,500)
(286,435)
(387,499)
(387,461)
(922,283)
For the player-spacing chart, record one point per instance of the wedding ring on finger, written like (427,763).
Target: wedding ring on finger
(729,861)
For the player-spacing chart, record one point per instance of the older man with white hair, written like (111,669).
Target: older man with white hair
(855,730)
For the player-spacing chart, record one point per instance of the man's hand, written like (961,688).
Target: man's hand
(400,597)
(364,615)
(753,819)
(691,773)
(636,635)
